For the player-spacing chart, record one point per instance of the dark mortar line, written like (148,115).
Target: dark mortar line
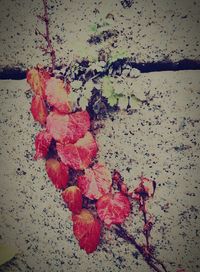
(148,67)
(12,73)
(162,66)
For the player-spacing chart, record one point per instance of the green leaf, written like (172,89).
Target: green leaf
(96,66)
(6,253)
(118,87)
(73,97)
(93,28)
(87,92)
(83,102)
(76,84)
(112,100)
(134,102)
(107,88)
(119,54)
(89,85)
(123,102)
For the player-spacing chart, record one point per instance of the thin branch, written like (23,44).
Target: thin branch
(49,49)
(153,262)
(40,33)
(42,18)
(159,262)
(145,231)
(142,197)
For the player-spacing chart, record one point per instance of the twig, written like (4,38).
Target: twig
(49,49)
(145,231)
(142,196)
(40,33)
(153,262)
(159,262)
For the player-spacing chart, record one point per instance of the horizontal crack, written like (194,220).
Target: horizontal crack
(12,73)
(147,67)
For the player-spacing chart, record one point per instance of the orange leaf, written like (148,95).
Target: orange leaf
(73,198)
(113,208)
(39,110)
(58,173)
(68,128)
(96,182)
(86,230)
(57,95)
(37,79)
(42,143)
(79,155)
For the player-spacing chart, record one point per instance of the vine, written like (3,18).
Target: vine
(49,47)
(95,196)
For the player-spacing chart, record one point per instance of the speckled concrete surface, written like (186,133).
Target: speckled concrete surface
(150,30)
(162,140)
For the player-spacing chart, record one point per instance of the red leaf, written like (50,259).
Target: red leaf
(117,178)
(57,125)
(37,79)
(86,230)
(113,209)
(145,189)
(124,188)
(79,155)
(39,110)
(68,128)
(42,143)
(149,186)
(58,173)
(96,182)
(79,124)
(57,95)
(72,196)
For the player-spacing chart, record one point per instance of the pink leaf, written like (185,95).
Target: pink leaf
(145,189)
(37,79)
(58,173)
(42,143)
(96,182)
(72,196)
(87,230)
(39,110)
(113,208)
(57,95)
(79,155)
(68,128)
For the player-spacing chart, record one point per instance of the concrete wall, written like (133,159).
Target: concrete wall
(150,30)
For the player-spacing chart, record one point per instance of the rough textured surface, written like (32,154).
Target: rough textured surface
(153,30)
(162,140)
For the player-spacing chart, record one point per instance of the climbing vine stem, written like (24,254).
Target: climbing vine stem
(67,143)
(152,261)
(49,46)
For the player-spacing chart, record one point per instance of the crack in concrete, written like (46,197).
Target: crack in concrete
(18,73)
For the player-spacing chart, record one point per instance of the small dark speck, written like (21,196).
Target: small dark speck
(182,147)
(184,17)
(135,254)
(20,172)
